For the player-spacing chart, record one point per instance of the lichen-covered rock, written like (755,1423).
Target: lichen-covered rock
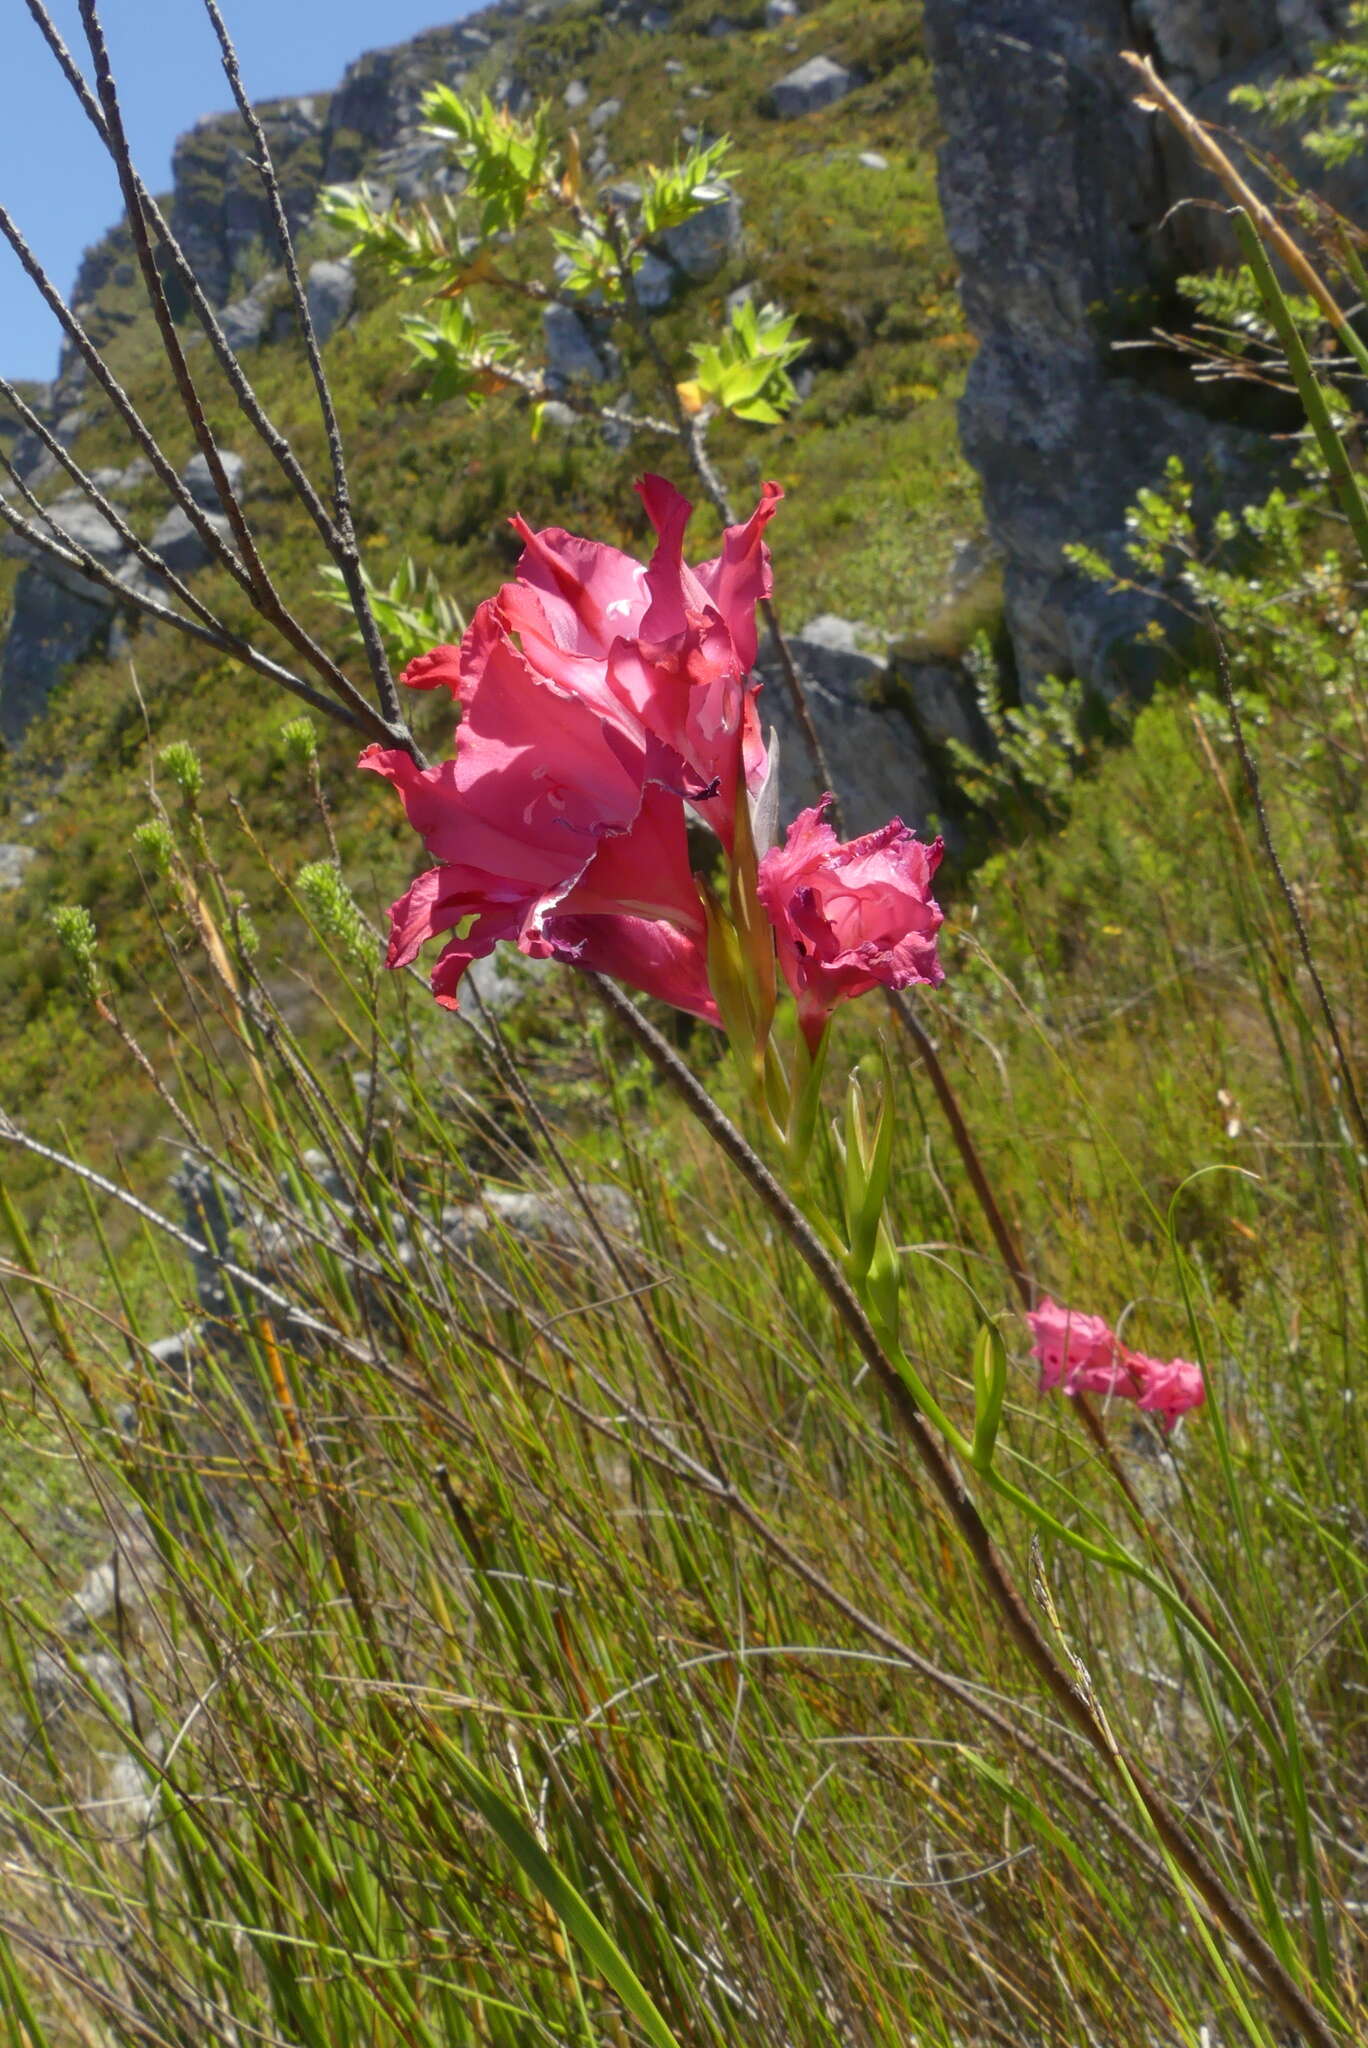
(1060,201)
(50,628)
(247,322)
(571,356)
(198,480)
(58,614)
(180,544)
(177,540)
(219,208)
(14,864)
(656,283)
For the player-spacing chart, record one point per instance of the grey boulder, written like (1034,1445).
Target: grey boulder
(818,83)
(180,544)
(200,484)
(14,862)
(247,321)
(570,352)
(872,749)
(700,246)
(655,282)
(330,289)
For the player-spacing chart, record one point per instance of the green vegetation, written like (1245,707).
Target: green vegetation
(535,1621)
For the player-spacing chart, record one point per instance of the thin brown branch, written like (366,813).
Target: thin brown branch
(347,554)
(74,556)
(256,416)
(1160,98)
(258,581)
(90,490)
(123,404)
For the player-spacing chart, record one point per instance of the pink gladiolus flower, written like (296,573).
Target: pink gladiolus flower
(1170,1387)
(1079,1353)
(598,696)
(850,916)
(1083,1355)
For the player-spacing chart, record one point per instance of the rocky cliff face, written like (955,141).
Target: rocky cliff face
(1059,200)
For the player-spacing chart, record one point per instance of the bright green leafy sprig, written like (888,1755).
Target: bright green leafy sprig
(509,162)
(421,245)
(746,372)
(411,610)
(515,176)
(674,195)
(463,359)
(1332,95)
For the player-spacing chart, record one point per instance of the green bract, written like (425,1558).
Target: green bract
(746,372)
(675,195)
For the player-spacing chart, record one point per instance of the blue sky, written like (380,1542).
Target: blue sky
(57,181)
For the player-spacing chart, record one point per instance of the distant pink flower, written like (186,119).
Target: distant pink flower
(850,916)
(598,695)
(1082,1355)
(1079,1353)
(1170,1387)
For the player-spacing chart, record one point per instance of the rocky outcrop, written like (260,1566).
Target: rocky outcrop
(1059,200)
(219,210)
(59,615)
(884,719)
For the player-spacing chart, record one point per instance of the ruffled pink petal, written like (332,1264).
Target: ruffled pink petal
(677,598)
(1070,1345)
(426,908)
(458,836)
(689,694)
(591,593)
(534,761)
(652,957)
(740,577)
(1168,1387)
(483,936)
(525,611)
(441,897)
(849,918)
(438,669)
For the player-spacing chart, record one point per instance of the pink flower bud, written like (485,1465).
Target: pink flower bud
(1083,1355)
(1169,1387)
(1079,1353)
(850,916)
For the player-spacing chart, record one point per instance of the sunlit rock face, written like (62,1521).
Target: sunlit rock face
(1060,201)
